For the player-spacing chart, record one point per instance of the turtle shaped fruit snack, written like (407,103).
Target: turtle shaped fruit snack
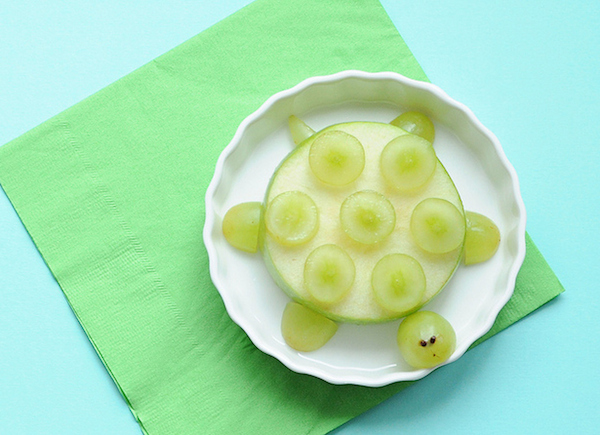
(361,223)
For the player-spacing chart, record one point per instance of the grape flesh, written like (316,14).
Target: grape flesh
(483,238)
(241,226)
(426,339)
(299,130)
(398,282)
(408,162)
(367,217)
(304,330)
(329,273)
(437,226)
(416,123)
(336,158)
(292,218)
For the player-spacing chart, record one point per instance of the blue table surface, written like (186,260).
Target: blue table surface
(531,73)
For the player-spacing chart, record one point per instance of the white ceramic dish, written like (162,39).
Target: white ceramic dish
(364,355)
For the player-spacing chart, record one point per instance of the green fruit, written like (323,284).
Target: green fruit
(483,238)
(367,217)
(299,130)
(241,226)
(408,162)
(398,283)
(426,339)
(437,226)
(336,158)
(292,218)
(328,273)
(304,330)
(359,305)
(416,123)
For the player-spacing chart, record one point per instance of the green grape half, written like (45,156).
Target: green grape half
(483,238)
(329,273)
(336,158)
(292,218)
(304,330)
(398,282)
(426,339)
(367,217)
(241,226)
(299,130)
(408,162)
(416,123)
(437,226)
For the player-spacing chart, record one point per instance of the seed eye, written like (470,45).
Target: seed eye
(423,343)
(432,339)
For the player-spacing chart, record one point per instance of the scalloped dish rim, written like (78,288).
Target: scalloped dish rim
(274,347)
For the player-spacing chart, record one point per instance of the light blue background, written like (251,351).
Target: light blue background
(529,70)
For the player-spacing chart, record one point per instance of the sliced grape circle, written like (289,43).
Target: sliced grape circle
(437,226)
(304,330)
(482,240)
(292,218)
(329,273)
(408,162)
(426,339)
(241,226)
(336,158)
(367,217)
(416,123)
(398,282)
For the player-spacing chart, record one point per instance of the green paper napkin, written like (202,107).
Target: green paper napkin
(111,191)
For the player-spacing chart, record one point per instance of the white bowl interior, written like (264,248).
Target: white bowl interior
(364,354)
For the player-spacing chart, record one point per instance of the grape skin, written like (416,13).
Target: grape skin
(426,339)
(241,226)
(299,130)
(482,240)
(305,330)
(416,123)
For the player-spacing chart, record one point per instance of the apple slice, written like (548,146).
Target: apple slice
(286,263)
